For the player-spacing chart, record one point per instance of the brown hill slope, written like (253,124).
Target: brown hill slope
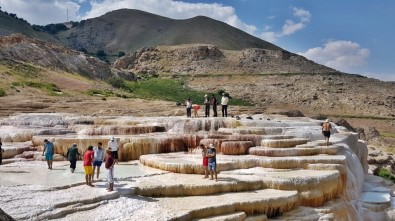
(19,48)
(211,60)
(130,30)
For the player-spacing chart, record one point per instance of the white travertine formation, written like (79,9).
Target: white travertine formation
(270,168)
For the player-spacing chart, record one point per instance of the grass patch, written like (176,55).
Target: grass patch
(105,93)
(386,174)
(387,134)
(362,117)
(171,90)
(51,89)
(2,92)
(24,70)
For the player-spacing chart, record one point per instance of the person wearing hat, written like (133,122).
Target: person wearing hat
(326,130)
(212,161)
(72,156)
(49,152)
(224,103)
(114,148)
(207,106)
(109,165)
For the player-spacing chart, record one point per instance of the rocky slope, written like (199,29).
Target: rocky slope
(20,48)
(211,60)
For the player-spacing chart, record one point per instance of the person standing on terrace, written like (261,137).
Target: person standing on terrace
(1,152)
(212,161)
(224,103)
(72,156)
(206,106)
(48,152)
(114,148)
(188,104)
(326,131)
(109,165)
(88,160)
(214,103)
(205,160)
(98,157)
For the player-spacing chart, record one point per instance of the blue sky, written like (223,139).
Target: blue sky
(354,36)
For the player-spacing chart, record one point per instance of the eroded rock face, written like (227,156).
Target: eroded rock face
(203,59)
(17,47)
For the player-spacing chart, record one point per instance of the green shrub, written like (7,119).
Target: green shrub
(386,174)
(116,82)
(51,88)
(2,92)
(121,54)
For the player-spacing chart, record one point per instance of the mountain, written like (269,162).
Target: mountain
(11,24)
(130,30)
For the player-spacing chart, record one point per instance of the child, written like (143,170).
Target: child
(110,169)
(205,160)
(212,162)
(88,160)
(196,108)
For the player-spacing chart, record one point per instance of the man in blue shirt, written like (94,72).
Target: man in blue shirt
(49,152)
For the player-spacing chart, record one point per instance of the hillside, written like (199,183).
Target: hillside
(11,24)
(130,30)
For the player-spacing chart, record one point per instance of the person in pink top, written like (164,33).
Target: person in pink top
(205,160)
(88,159)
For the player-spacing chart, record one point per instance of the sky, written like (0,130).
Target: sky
(353,36)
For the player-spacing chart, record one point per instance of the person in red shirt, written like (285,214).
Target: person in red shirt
(88,159)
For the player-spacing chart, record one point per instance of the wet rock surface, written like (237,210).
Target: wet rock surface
(270,167)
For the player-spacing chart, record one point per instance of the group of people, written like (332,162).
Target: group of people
(209,161)
(207,103)
(93,158)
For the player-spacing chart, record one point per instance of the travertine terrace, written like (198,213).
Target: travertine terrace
(271,168)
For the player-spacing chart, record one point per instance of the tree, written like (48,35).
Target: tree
(121,54)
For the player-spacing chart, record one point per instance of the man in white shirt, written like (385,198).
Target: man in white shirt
(98,157)
(224,103)
(114,148)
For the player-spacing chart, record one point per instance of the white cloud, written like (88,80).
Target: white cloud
(340,55)
(173,9)
(290,26)
(42,12)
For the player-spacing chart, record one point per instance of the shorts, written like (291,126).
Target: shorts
(97,163)
(88,170)
(110,175)
(205,161)
(48,156)
(212,166)
(326,133)
(114,154)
